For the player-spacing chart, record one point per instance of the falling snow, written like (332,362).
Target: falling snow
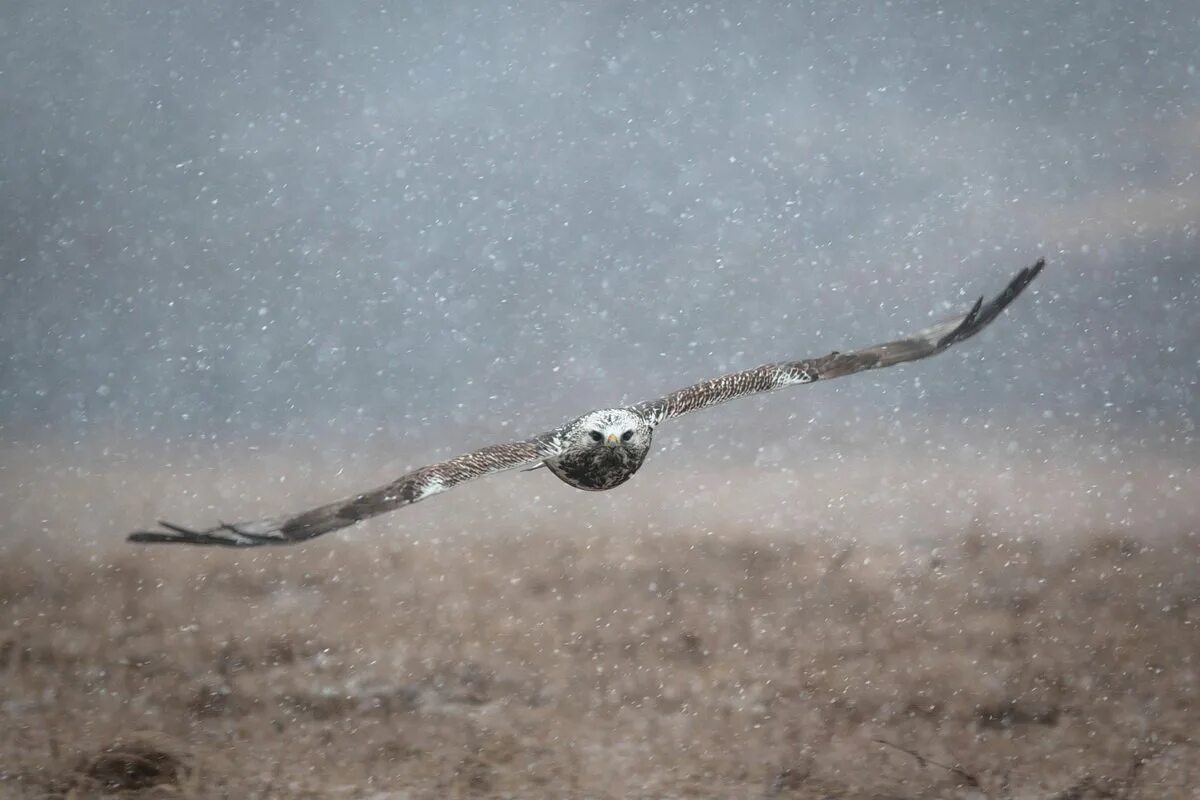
(257,256)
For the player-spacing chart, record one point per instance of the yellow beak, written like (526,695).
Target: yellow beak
(612,438)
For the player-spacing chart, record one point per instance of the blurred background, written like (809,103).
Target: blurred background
(326,231)
(256,256)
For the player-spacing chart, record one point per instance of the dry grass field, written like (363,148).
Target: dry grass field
(783,657)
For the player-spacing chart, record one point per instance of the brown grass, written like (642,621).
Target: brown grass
(606,662)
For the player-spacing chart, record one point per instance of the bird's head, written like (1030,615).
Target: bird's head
(611,429)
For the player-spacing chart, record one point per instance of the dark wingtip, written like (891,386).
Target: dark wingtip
(973,314)
(178,528)
(159,537)
(1029,273)
(1019,283)
(145,536)
(175,534)
(981,314)
(222,535)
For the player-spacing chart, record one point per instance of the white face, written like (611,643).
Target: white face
(613,427)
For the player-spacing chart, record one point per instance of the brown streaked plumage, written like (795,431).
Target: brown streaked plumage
(602,449)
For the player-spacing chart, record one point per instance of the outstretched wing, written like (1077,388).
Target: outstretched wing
(416,485)
(769,377)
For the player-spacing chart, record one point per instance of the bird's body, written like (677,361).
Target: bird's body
(601,449)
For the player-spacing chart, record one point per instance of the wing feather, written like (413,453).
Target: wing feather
(778,375)
(405,490)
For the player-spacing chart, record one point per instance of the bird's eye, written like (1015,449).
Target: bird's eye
(597,436)
(626,436)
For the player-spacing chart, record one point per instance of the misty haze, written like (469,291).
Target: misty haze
(258,257)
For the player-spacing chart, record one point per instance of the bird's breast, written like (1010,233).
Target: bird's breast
(596,470)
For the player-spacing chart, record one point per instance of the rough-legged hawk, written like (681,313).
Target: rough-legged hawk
(601,449)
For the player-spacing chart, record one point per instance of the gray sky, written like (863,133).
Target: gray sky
(440,223)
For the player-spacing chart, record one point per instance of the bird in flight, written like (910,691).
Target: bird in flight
(601,449)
